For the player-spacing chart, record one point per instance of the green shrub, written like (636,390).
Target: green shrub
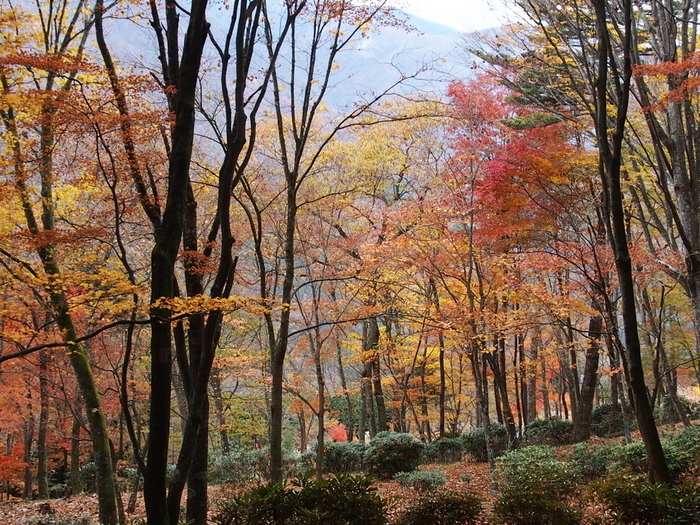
(667,413)
(446,450)
(553,431)
(631,502)
(422,480)
(605,421)
(631,458)
(343,457)
(240,465)
(264,505)
(535,488)
(687,441)
(443,507)
(339,500)
(88,477)
(392,452)
(591,461)
(475,442)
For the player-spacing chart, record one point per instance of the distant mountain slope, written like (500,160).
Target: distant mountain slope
(431,51)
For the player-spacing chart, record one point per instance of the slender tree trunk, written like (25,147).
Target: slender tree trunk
(321,413)
(42,471)
(220,411)
(76,482)
(349,430)
(610,163)
(545,390)
(28,434)
(372,347)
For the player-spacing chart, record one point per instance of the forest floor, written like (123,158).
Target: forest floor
(465,475)
(82,509)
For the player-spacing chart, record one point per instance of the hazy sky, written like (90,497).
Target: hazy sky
(464,15)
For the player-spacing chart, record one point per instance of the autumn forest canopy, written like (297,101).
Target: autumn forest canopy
(217,236)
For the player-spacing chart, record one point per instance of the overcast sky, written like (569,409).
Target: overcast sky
(463,15)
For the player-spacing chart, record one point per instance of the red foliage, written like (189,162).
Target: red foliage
(338,433)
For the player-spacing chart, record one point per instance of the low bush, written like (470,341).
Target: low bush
(343,457)
(422,480)
(535,488)
(631,458)
(631,502)
(553,431)
(591,461)
(391,452)
(605,421)
(687,441)
(443,507)
(667,413)
(446,450)
(475,442)
(88,477)
(240,465)
(338,500)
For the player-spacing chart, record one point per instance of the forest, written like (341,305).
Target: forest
(227,255)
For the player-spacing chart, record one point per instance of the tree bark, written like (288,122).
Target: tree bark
(609,167)
(42,469)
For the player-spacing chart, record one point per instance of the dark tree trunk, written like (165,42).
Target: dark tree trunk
(582,424)
(610,162)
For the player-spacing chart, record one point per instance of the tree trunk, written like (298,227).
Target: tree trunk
(28,434)
(349,430)
(164,255)
(220,411)
(42,471)
(372,347)
(76,482)
(582,424)
(609,167)
(197,483)
(321,413)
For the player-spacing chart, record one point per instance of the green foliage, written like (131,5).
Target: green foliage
(240,465)
(338,457)
(422,480)
(338,407)
(446,450)
(343,457)
(687,440)
(631,458)
(443,507)
(533,120)
(631,502)
(535,488)
(475,442)
(553,431)
(392,452)
(339,500)
(88,477)
(667,413)
(591,461)
(605,421)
